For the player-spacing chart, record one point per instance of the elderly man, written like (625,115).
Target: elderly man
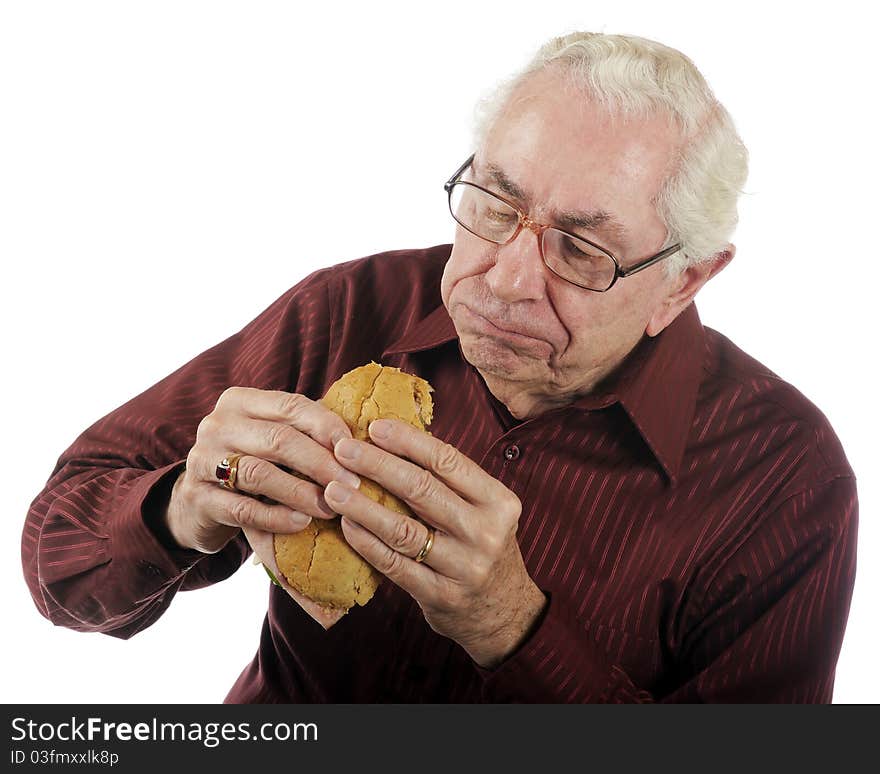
(623,505)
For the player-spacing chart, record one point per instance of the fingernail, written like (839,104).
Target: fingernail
(326,509)
(337,492)
(347,449)
(299,521)
(380,428)
(350,525)
(338,436)
(349,479)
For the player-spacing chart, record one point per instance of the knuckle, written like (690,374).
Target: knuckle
(392,563)
(499,534)
(207,427)
(197,467)
(510,510)
(421,485)
(405,536)
(192,462)
(244,512)
(493,542)
(444,459)
(298,489)
(253,474)
(293,405)
(278,438)
(481,570)
(184,486)
(230,394)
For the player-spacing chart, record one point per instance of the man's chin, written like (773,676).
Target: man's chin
(490,356)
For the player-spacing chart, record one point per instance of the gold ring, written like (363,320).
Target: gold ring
(227,471)
(426,549)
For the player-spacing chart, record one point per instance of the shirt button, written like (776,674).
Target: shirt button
(511,452)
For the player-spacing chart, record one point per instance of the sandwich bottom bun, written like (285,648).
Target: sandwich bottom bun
(316,566)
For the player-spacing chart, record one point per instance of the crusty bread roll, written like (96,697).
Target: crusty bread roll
(318,562)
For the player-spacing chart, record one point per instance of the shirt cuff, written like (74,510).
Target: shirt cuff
(139,536)
(558,663)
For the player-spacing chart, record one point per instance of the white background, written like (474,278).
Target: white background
(167,169)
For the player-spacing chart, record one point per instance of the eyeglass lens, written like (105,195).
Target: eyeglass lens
(489,218)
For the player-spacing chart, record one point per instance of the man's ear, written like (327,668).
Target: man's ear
(685,287)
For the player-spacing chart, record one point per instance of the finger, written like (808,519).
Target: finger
(283,444)
(260,478)
(399,532)
(430,498)
(238,510)
(453,468)
(290,408)
(421,582)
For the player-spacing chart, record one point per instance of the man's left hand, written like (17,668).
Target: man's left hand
(473,586)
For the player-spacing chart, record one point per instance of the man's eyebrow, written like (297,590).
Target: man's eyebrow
(505,183)
(598,220)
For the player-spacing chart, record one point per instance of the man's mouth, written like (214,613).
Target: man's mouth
(489,325)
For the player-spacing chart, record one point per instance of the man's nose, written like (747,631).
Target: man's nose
(518,273)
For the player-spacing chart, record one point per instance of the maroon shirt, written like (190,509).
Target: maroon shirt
(693,522)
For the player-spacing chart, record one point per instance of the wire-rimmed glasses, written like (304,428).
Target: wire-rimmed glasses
(569,256)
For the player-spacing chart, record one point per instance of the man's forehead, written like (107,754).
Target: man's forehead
(573,129)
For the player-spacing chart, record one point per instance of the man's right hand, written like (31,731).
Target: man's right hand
(268,428)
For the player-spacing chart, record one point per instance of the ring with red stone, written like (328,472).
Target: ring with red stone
(227,471)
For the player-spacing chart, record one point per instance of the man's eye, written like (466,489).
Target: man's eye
(579,250)
(500,216)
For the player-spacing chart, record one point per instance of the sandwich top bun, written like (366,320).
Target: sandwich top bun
(317,562)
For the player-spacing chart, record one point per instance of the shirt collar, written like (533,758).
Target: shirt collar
(432,331)
(656,385)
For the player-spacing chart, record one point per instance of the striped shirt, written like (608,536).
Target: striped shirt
(693,521)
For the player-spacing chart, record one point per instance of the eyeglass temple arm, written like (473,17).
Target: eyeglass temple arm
(458,173)
(650,262)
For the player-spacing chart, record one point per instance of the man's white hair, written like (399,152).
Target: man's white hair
(633,76)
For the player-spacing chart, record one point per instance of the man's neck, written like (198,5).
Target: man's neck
(526,402)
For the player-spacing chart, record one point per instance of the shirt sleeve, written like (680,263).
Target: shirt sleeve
(749,634)
(94,553)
